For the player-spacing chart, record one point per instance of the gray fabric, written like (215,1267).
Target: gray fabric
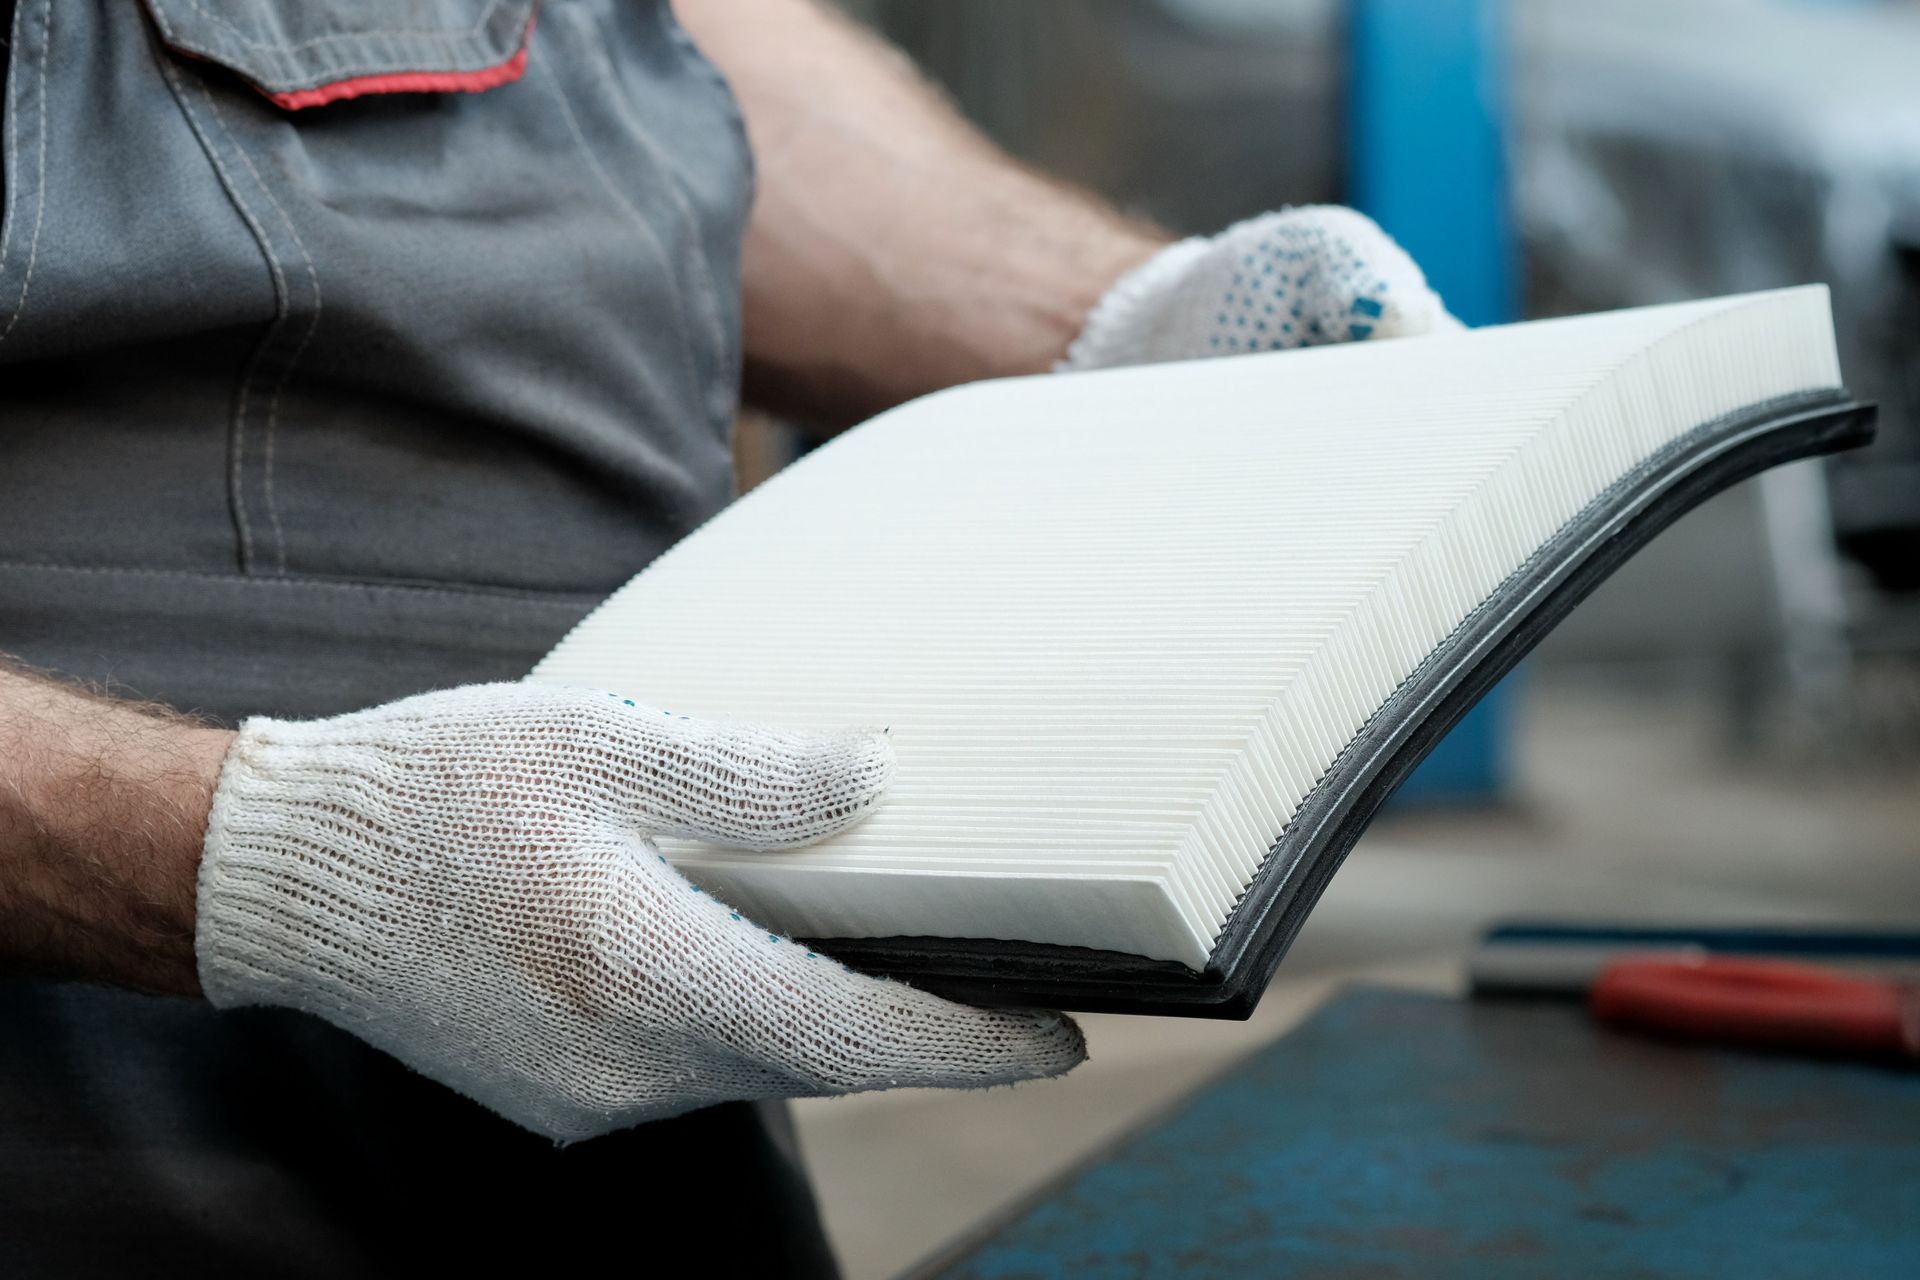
(156,1138)
(300,412)
(479,342)
(6,37)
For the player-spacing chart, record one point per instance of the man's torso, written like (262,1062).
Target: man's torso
(300,412)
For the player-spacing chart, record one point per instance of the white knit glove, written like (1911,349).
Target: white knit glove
(465,880)
(1299,278)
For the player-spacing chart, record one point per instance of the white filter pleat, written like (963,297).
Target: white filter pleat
(1122,623)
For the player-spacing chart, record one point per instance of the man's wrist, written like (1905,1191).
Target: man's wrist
(103,813)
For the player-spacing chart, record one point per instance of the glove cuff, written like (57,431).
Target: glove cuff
(258,939)
(1120,324)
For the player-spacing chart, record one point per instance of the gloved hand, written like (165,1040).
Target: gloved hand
(1298,278)
(465,880)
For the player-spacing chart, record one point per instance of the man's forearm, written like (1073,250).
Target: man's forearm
(103,807)
(893,250)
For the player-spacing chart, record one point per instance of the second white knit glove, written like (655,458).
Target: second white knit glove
(1298,278)
(464,879)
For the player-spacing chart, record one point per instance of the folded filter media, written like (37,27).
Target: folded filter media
(1154,644)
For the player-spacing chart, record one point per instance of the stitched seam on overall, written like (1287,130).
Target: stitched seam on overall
(535,73)
(436,37)
(10,180)
(736,122)
(677,193)
(40,174)
(300,347)
(236,479)
(527,595)
(9,224)
(287,72)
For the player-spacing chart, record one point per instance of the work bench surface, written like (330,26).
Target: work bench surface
(1398,1135)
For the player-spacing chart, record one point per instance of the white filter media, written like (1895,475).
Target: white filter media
(1120,623)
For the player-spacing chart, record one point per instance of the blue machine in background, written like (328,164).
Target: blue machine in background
(1426,151)
(1426,159)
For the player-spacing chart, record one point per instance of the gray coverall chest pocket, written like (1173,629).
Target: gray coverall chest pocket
(435,291)
(306,53)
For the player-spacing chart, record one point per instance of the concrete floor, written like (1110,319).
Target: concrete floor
(1628,809)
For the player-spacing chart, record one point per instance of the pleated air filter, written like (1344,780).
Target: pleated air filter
(1154,644)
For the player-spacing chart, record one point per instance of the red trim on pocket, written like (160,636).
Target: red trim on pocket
(412,81)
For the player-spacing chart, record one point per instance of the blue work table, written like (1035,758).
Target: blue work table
(1397,1135)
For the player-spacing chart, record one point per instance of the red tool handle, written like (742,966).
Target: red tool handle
(1763,1003)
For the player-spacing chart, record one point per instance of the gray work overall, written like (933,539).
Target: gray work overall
(348,348)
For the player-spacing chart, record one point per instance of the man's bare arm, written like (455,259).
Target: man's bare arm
(103,809)
(893,250)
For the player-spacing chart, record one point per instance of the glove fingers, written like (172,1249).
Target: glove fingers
(755,787)
(768,1016)
(943,1045)
(1298,278)
(1310,276)
(1371,287)
(846,1032)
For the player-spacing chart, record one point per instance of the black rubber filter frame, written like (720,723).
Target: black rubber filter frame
(1483,648)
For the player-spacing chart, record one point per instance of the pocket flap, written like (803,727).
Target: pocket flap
(305,53)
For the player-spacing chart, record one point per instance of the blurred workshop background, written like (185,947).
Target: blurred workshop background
(1730,729)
